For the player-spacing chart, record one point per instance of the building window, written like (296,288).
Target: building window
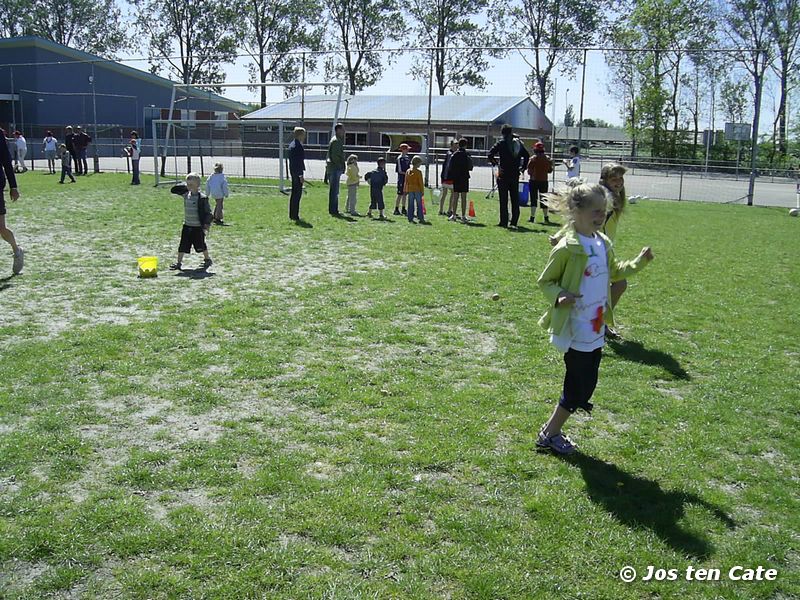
(475,142)
(187,116)
(442,140)
(353,138)
(221,116)
(318,138)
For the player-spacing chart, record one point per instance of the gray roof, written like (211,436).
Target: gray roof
(81,56)
(405,109)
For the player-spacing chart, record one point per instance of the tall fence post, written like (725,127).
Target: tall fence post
(680,187)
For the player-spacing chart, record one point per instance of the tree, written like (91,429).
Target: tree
(191,39)
(569,117)
(445,25)
(784,23)
(271,30)
(356,28)
(558,31)
(588,123)
(624,78)
(87,25)
(733,97)
(14,18)
(747,28)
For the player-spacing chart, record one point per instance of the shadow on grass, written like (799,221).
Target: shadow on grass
(636,352)
(344,217)
(524,229)
(194,273)
(5,282)
(639,502)
(474,224)
(303,223)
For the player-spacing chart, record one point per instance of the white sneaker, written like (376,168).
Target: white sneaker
(19,261)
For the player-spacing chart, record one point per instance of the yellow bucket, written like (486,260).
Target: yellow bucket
(148,266)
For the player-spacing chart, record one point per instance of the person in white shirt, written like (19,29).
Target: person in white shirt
(50,146)
(577,285)
(574,163)
(217,188)
(134,150)
(22,150)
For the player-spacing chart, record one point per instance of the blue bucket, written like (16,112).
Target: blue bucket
(524,193)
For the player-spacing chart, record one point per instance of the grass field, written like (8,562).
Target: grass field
(342,411)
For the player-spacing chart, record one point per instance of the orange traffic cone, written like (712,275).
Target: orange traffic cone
(471,209)
(424,211)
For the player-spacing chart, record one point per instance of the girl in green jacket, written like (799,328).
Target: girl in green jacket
(577,284)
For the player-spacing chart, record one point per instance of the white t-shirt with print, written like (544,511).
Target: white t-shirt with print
(574,168)
(585,329)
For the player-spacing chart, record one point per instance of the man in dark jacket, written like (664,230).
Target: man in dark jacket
(7,174)
(297,165)
(81,143)
(512,157)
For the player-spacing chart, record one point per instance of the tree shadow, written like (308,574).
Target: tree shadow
(199,273)
(640,502)
(636,352)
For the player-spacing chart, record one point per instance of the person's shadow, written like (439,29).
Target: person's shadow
(639,502)
(199,273)
(303,224)
(5,282)
(636,352)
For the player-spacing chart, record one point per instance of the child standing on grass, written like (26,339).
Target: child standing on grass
(377,180)
(22,150)
(217,188)
(403,164)
(577,285)
(612,178)
(352,184)
(49,145)
(66,163)
(196,221)
(574,163)
(414,187)
(539,168)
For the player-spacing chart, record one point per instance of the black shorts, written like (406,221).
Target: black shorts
(401,183)
(2,202)
(192,236)
(537,188)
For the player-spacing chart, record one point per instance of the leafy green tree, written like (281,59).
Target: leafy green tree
(558,31)
(356,28)
(448,26)
(784,25)
(569,117)
(271,32)
(191,39)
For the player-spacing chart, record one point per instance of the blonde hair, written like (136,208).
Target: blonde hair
(416,161)
(193,176)
(218,167)
(577,196)
(620,200)
(351,159)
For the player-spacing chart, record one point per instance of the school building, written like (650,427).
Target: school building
(45,85)
(384,122)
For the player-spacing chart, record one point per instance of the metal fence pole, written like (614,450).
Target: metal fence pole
(680,187)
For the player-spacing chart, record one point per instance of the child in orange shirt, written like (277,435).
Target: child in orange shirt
(414,187)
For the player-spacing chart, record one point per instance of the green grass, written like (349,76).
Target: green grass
(342,412)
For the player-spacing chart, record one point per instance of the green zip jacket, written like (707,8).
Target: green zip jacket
(564,271)
(336,154)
